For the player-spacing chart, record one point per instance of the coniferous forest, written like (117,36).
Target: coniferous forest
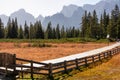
(90,27)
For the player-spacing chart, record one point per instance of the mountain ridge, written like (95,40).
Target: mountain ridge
(69,16)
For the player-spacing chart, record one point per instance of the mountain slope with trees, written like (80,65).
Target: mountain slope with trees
(68,16)
(90,27)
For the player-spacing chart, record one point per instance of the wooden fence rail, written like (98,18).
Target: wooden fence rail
(51,69)
(76,63)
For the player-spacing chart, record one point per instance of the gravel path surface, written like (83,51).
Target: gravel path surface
(79,55)
(72,57)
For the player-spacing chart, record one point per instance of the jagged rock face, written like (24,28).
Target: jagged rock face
(23,16)
(69,16)
(68,11)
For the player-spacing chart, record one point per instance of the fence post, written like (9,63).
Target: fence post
(117,49)
(93,60)
(6,69)
(76,61)
(99,57)
(50,70)
(65,66)
(104,55)
(32,70)
(107,54)
(21,71)
(86,61)
(14,67)
(110,53)
(114,51)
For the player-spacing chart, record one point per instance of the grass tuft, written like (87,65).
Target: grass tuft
(41,45)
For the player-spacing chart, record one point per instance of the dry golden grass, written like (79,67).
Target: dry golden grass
(40,54)
(106,71)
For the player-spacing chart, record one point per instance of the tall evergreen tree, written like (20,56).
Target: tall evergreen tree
(26,31)
(57,32)
(102,29)
(105,23)
(118,25)
(9,29)
(49,32)
(20,33)
(14,29)
(63,34)
(38,30)
(54,33)
(1,29)
(32,34)
(73,32)
(84,25)
(68,33)
(89,26)
(114,20)
(78,33)
(94,25)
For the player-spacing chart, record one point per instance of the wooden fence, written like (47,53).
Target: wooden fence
(51,69)
(31,68)
(76,63)
(6,58)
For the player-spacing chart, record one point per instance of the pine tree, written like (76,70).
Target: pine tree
(89,26)
(38,30)
(57,32)
(68,33)
(114,20)
(26,31)
(14,29)
(73,32)
(94,25)
(1,29)
(84,25)
(118,25)
(9,29)
(105,23)
(63,34)
(49,33)
(32,34)
(20,32)
(102,29)
(77,32)
(54,33)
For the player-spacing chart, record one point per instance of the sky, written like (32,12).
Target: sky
(37,7)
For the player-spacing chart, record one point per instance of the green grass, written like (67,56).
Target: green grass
(39,45)
(71,40)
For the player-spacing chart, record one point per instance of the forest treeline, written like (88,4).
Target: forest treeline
(90,27)
(109,24)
